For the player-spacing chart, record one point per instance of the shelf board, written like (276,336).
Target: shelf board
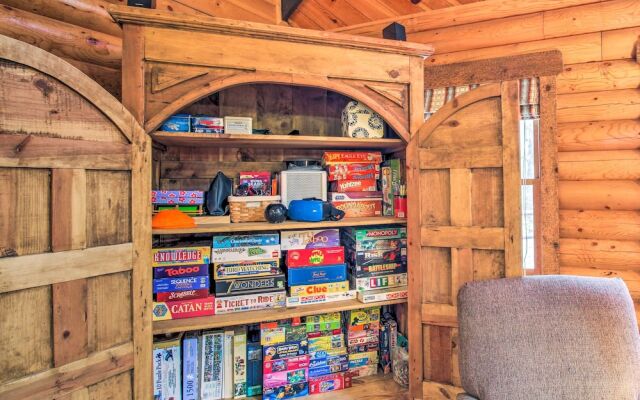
(252,317)
(274,141)
(287,225)
(376,387)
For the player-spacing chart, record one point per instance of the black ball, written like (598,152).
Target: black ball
(275,213)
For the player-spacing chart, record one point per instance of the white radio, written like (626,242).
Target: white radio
(301,184)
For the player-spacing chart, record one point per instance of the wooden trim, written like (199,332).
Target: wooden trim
(31,151)
(140,16)
(549,207)
(272,77)
(68,209)
(70,330)
(34,57)
(478,157)
(440,315)
(440,391)
(494,69)
(461,271)
(70,377)
(17,273)
(416,95)
(489,238)
(511,178)
(464,100)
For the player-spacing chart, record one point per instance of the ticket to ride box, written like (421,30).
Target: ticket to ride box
(176,256)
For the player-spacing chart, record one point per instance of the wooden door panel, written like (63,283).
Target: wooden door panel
(464,192)
(70,223)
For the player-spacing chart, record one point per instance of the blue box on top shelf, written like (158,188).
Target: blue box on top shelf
(314,275)
(177,123)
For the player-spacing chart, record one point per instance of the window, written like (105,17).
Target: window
(530,194)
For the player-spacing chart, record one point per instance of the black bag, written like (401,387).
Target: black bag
(219,190)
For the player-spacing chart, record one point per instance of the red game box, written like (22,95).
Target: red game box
(182,295)
(309,257)
(354,185)
(329,383)
(183,309)
(353,171)
(333,157)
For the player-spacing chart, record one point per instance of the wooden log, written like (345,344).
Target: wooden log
(463,237)
(60,38)
(596,17)
(631,278)
(620,43)
(108,78)
(613,225)
(599,195)
(599,165)
(599,106)
(245,10)
(608,254)
(575,49)
(600,135)
(90,14)
(599,76)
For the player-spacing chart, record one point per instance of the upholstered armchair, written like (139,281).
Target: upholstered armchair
(548,337)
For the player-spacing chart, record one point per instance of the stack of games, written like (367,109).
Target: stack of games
(188,201)
(377,260)
(328,359)
(316,267)
(354,182)
(246,273)
(285,360)
(181,283)
(362,330)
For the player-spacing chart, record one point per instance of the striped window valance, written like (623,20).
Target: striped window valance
(434,99)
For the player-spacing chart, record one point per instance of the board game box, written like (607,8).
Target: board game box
(311,257)
(186,283)
(320,298)
(245,253)
(323,322)
(286,364)
(282,378)
(261,239)
(360,208)
(338,157)
(286,392)
(392,177)
(190,378)
(249,302)
(309,239)
(365,370)
(321,288)
(245,269)
(315,275)
(179,197)
(285,350)
(369,270)
(375,238)
(359,359)
(182,295)
(329,383)
(249,285)
(166,257)
(373,296)
(354,185)
(379,282)
(327,341)
(371,257)
(212,365)
(353,171)
(183,309)
(362,316)
(282,331)
(180,271)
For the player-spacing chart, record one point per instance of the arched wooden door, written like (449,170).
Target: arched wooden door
(74,234)
(464,222)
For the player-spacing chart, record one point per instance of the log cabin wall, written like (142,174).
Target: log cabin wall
(598,111)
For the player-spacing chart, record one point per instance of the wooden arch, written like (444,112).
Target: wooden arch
(362,94)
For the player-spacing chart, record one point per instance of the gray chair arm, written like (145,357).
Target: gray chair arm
(464,396)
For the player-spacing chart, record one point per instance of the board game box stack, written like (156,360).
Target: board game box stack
(377,259)
(188,201)
(316,267)
(353,178)
(181,282)
(246,272)
(362,331)
(328,359)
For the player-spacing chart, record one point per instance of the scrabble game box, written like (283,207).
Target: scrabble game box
(182,295)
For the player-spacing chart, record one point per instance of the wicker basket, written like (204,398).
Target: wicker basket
(250,208)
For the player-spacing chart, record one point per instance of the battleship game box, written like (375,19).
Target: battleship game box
(369,270)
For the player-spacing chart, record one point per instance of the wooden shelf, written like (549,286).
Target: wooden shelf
(377,387)
(287,225)
(252,317)
(274,141)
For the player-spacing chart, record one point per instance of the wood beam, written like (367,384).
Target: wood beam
(288,7)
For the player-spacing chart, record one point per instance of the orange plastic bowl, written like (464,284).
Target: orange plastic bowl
(171,219)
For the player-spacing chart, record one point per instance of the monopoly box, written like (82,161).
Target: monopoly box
(245,269)
(180,271)
(250,302)
(175,284)
(329,383)
(321,288)
(228,241)
(381,238)
(166,257)
(315,275)
(339,157)
(285,350)
(309,239)
(183,309)
(286,392)
(182,295)
(248,285)
(365,271)
(245,253)
(320,298)
(286,364)
(368,257)
(378,282)
(311,257)
(355,185)
(383,294)
(281,331)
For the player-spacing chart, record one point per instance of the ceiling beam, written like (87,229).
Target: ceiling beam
(288,7)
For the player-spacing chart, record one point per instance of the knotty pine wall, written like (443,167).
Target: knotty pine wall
(598,110)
